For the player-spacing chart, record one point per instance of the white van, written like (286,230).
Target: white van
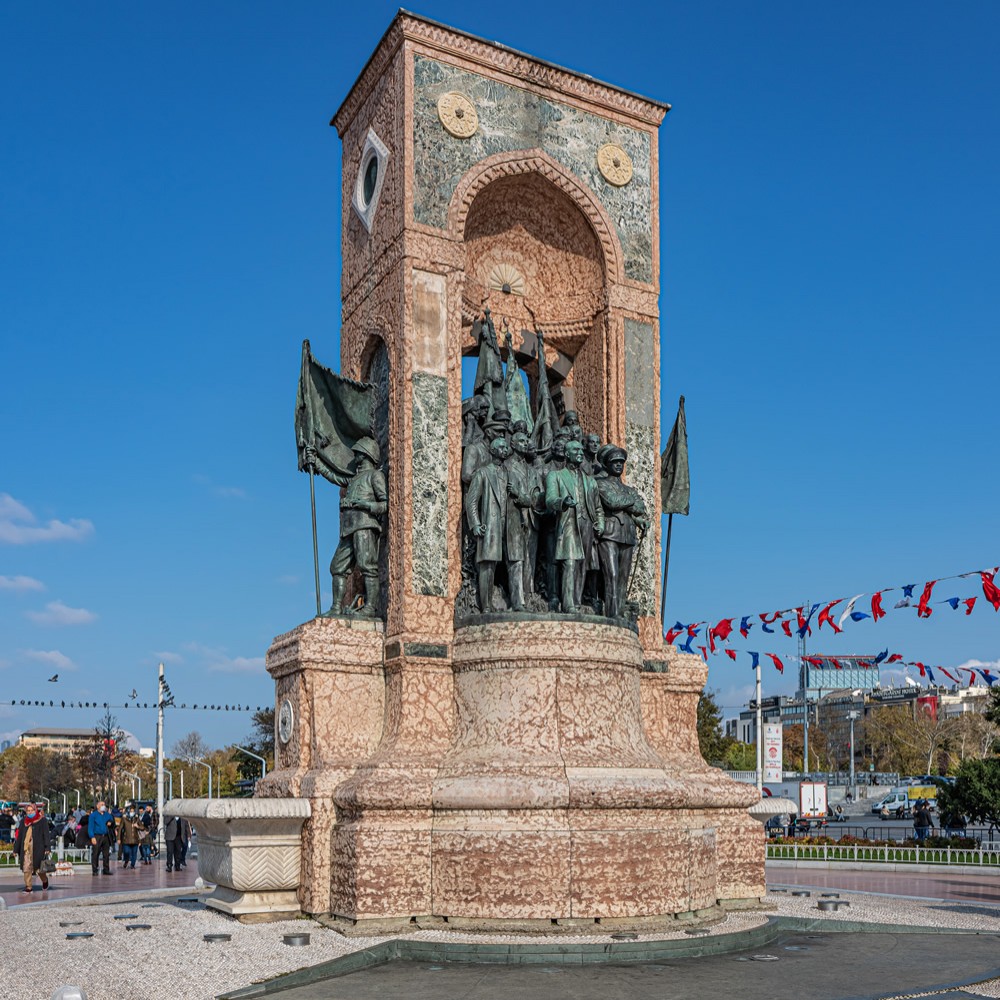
(898,797)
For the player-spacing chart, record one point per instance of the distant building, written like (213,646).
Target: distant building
(66,740)
(63,740)
(821,673)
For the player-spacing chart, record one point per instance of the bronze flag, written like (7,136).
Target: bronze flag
(675,477)
(332,414)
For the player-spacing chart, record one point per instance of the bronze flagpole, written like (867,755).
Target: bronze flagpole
(312,503)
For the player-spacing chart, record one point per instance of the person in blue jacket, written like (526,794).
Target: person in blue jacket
(100,829)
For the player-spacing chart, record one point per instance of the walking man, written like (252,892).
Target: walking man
(100,830)
(176,832)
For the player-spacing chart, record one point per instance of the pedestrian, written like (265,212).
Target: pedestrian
(129,837)
(100,831)
(176,832)
(146,834)
(32,844)
(921,820)
(7,824)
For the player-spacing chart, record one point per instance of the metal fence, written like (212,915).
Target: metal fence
(888,854)
(77,857)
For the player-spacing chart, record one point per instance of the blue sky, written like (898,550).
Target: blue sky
(170,220)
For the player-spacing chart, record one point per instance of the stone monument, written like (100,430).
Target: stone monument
(511,744)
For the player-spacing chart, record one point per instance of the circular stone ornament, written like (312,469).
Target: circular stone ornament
(615,164)
(286,721)
(457,114)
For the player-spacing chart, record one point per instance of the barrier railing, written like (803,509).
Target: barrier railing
(885,854)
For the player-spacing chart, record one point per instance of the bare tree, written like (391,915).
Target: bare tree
(191,745)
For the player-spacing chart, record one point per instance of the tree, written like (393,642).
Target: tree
(976,792)
(192,746)
(260,741)
(992,709)
(906,744)
(712,742)
(972,736)
(101,758)
(741,757)
(793,748)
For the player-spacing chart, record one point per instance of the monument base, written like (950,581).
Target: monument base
(547,802)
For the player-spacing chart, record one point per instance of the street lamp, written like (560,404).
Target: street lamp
(852,716)
(257,756)
(135,778)
(194,760)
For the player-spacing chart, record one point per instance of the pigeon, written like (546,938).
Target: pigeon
(53,678)
(134,694)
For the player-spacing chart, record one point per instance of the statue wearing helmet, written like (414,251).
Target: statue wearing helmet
(364,502)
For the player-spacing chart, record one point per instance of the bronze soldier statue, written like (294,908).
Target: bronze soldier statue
(363,503)
(573,497)
(486,513)
(527,489)
(625,524)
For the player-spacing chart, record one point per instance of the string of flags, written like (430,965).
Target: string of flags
(800,620)
(94,704)
(954,674)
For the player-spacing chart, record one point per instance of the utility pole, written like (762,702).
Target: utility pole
(760,733)
(804,684)
(852,716)
(159,760)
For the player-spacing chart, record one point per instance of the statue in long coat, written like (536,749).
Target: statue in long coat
(486,513)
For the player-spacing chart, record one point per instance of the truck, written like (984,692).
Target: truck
(904,798)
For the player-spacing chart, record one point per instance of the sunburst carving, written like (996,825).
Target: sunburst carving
(506,278)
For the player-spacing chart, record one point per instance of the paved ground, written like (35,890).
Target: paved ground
(82,883)
(803,966)
(978,888)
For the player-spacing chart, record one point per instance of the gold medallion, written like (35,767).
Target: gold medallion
(457,114)
(615,164)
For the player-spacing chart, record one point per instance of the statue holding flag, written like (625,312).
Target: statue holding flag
(335,437)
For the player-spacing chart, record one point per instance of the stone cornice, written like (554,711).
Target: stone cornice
(519,65)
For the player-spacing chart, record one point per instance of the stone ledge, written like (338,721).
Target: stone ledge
(234,809)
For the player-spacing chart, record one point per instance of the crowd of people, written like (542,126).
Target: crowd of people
(128,833)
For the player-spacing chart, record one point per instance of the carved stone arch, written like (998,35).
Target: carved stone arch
(539,162)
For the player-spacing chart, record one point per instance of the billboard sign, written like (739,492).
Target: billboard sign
(772,752)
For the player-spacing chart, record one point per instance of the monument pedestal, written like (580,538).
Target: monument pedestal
(544,771)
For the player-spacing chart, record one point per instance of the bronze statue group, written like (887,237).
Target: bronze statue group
(544,503)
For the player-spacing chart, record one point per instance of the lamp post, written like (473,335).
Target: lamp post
(852,716)
(759,727)
(256,756)
(135,778)
(202,763)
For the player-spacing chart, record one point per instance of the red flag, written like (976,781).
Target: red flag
(724,629)
(949,675)
(970,603)
(895,658)
(786,627)
(921,668)
(777,662)
(824,616)
(877,611)
(990,591)
(837,663)
(704,653)
(672,634)
(711,639)
(731,653)
(922,610)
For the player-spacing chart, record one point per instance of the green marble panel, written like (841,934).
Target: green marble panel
(429,532)
(511,119)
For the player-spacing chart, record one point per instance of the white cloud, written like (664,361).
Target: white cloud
(220,491)
(18,526)
(237,665)
(52,657)
(20,583)
(981,664)
(166,656)
(57,613)
(219,661)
